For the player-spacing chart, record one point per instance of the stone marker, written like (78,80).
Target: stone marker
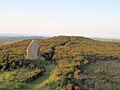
(33,50)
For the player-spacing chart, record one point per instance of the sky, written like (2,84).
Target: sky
(89,18)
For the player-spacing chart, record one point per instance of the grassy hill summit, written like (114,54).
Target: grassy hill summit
(66,63)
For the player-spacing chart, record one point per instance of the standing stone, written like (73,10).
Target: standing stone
(33,50)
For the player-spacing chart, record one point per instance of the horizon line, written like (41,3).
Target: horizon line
(46,35)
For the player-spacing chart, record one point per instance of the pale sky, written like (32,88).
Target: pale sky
(91,18)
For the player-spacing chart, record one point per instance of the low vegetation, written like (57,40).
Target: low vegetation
(16,79)
(79,64)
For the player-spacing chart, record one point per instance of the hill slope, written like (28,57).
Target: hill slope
(81,63)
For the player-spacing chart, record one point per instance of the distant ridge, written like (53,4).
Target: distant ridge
(107,39)
(16,38)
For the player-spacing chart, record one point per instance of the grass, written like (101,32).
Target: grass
(51,83)
(49,66)
(102,75)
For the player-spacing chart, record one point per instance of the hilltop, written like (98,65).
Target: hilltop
(67,62)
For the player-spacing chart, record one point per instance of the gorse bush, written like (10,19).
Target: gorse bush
(17,78)
(10,61)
